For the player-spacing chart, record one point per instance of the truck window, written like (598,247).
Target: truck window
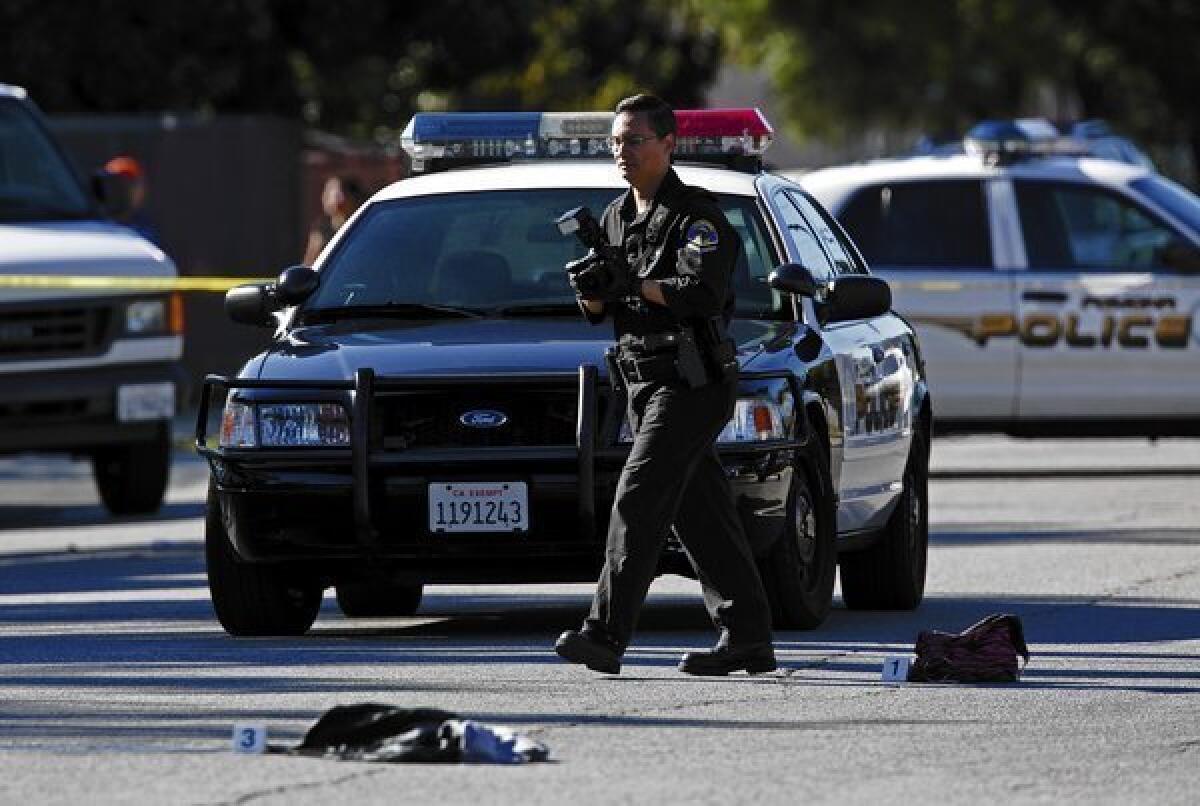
(36,184)
(921,225)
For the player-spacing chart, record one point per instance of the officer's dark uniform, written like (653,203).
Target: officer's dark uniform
(673,475)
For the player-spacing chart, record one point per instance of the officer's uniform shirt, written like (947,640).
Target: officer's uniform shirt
(684,242)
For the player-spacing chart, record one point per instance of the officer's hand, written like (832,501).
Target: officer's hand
(622,281)
(588,276)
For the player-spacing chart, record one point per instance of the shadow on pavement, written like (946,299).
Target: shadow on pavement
(108,626)
(32,516)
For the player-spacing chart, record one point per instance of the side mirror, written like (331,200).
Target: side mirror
(794,279)
(114,192)
(251,305)
(857,296)
(295,285)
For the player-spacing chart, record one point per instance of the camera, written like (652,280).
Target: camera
(603,272)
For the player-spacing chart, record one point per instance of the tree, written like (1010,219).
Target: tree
(1136,62)
(940,65)
(356,67)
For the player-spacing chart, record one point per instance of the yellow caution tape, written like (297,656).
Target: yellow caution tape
(221,284)
(88,282)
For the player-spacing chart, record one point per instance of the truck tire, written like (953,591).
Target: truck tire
(376,599)
(252,599)
(132,479)
(890,575)
(799,571)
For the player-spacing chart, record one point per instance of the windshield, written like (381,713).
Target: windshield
(1175,199)
(499,252)
(36,184)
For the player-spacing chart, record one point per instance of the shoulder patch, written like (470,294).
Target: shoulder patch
(701,236)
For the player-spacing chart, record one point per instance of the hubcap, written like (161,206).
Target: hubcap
(806,529)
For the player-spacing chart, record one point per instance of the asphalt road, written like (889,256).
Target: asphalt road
(117,685)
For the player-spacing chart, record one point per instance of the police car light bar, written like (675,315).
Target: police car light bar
(1001,142)
(441,140)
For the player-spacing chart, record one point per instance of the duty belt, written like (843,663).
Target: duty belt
(650,343)
(669,357)
(650,368)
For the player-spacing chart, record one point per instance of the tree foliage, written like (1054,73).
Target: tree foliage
(939,65)
(357,67)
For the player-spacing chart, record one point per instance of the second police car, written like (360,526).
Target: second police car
(1055,293)
(433,407)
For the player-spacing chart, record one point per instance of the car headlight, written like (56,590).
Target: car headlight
(146,316)
(284,425)
(303,424)
(753,420)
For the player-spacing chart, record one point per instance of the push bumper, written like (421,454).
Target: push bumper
(347,504)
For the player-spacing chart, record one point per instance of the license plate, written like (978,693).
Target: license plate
(478,506)
(145,401)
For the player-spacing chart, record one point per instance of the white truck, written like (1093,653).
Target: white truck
(91,372)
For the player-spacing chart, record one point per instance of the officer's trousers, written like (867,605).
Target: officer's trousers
(674,478)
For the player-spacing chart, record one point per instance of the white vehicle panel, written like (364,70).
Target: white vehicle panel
(75,248)
(122,351)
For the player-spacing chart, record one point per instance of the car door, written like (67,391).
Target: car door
(851,344)
(1106,326)
(878,379)
(931,239)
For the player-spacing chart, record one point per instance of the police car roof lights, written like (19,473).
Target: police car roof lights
(735,137)
(1002,142)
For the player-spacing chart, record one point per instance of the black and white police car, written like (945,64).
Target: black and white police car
(433,407)
(1054,293)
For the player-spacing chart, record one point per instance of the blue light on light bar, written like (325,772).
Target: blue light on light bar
(458,126)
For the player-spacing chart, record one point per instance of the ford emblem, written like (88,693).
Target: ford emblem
(483,418)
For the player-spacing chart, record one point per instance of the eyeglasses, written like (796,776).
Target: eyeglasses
(629,141)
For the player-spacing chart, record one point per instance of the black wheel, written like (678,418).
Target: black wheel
(890,575)
(250,598)
(132,479)
(799,571)
(377,599)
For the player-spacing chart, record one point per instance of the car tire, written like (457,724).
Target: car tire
(132,479)
(799,570)
(890,575)
(377,599)
(252,599)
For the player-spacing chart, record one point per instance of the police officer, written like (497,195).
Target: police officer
(670,298)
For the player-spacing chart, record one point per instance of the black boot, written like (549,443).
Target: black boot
(597,652)
(723,659)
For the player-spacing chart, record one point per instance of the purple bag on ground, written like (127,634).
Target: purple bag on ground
(985,652)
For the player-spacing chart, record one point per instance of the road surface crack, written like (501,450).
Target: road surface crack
(285,789)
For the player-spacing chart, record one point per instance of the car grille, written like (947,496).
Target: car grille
(433,419)
(57,332)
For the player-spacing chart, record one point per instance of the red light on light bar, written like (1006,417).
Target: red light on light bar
(721,123)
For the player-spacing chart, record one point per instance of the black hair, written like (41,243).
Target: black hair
(658,112)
